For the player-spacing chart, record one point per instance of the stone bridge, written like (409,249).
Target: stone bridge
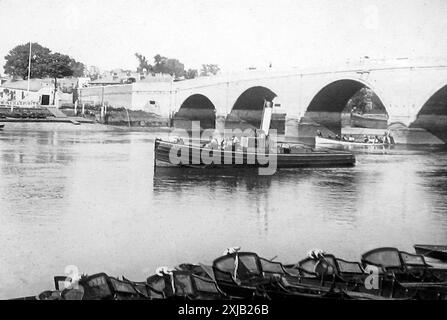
(412,92)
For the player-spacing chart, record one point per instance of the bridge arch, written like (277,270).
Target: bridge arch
(196,107)
(246,111)
(328,107)
(432,115)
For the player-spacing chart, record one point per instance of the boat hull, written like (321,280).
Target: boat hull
(433,251)
(194,158)
(319,141)
(372,121)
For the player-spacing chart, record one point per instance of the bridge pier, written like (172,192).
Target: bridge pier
(291,126)
(220,122)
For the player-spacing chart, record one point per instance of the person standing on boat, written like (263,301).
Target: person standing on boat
(214,144)
(223,143)
(387,137)
(235,143)
(228,144)
(244,142)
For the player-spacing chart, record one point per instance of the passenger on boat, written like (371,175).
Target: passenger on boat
(351,138)
(337,137)
(208,144)
(177,140)
(244,142)
(319,133)
(223,143)
(344,138)
(234,142)
(214,144)
(228,144)
(365,138)
(387,137)
(285,148)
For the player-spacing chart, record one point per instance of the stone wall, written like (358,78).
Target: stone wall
(115,96)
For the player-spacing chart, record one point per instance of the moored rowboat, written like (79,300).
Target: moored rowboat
(320,141)
(433,251)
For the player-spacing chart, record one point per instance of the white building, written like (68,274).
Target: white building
(41,92)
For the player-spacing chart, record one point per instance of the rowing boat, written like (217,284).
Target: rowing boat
(433,251)
(320,141)
(246,275)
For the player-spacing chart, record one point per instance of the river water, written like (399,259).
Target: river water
(88,197)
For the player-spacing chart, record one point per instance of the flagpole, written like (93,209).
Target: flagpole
(29,65)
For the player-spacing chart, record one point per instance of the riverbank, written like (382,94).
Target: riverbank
(73,120)
(120,117)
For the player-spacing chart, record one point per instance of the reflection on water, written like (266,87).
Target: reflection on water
(89,197)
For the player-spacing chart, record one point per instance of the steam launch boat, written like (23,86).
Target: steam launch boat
(258,151)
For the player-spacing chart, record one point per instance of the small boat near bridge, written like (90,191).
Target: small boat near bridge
(321,141)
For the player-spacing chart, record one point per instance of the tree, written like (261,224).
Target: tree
(361,101)
(160,64)
(44,63)
(209,69)
(17,61)
(143,63)
(175,68)
(58,66)
(168,65)
(191,74)
(77,67)
(165,65)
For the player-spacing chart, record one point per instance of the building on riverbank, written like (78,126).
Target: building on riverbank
(152,94)
(41,91)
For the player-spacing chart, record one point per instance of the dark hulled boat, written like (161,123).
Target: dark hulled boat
(432,251)
(235,155)
(292,156)
(246,275)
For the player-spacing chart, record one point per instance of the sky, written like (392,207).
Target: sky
(233,34)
